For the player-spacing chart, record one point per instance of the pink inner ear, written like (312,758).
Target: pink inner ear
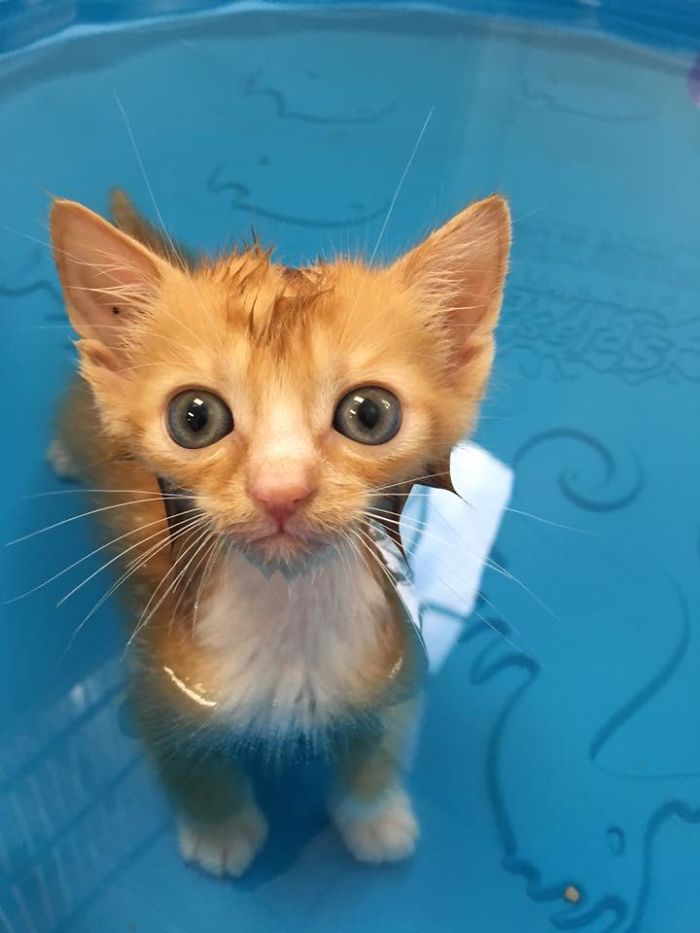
(109,280)
(460,270)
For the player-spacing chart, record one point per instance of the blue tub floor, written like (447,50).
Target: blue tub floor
(566,752)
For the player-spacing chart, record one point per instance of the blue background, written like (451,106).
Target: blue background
(561,742)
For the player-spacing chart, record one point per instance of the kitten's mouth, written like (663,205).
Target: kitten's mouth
(285,551)
(281,539)
(284,543)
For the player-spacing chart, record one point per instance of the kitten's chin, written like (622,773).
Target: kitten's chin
(286,553)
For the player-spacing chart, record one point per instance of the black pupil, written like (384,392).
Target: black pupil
(369,413)
(196,415)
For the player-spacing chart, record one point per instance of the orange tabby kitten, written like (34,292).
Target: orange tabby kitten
(245,422)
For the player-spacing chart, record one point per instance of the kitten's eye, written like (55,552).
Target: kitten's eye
(369,415)
(197,418)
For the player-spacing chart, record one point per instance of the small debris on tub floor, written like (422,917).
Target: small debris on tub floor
(572,894)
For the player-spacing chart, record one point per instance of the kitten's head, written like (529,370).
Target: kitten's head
(287,402)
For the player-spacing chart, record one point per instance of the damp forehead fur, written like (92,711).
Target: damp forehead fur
(275,304)
(267,299)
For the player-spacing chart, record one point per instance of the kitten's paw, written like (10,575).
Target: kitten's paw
(61,461)
(225,848)
(385,831)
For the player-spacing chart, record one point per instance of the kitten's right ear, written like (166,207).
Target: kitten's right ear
(109,280)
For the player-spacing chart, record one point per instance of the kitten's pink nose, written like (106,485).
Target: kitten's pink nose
(281,494)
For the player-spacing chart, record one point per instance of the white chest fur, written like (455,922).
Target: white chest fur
(286,652)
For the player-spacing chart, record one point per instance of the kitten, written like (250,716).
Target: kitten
(246,422)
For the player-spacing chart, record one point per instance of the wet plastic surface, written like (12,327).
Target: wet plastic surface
(561,742)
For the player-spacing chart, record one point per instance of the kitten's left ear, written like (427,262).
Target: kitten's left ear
(109,280)
(459,273)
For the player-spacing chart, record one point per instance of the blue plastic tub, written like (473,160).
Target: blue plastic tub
(561,743)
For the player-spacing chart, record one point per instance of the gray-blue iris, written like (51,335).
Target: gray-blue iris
(368,415)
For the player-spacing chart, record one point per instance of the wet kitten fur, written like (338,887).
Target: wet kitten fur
(235,635)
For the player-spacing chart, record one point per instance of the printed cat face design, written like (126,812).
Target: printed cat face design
(287,402)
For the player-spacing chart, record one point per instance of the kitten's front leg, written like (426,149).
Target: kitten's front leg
(220,826)
(370,807)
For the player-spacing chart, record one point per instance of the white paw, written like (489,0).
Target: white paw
(225,848)
(385,831)
(61,461)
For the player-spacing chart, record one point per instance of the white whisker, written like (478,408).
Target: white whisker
(144,559)
(364,538)
(390,211)
(80,490)
(147,615)
(151,194)
(399,186)
(74,518)
(215,553)
(85,557)
(413,524)
(144,175)
(208,541)
(140,562)
(115,558)
(410,479)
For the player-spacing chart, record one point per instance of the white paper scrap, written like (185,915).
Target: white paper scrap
(448,540)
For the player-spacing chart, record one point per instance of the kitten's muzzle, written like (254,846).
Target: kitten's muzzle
(282,493)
